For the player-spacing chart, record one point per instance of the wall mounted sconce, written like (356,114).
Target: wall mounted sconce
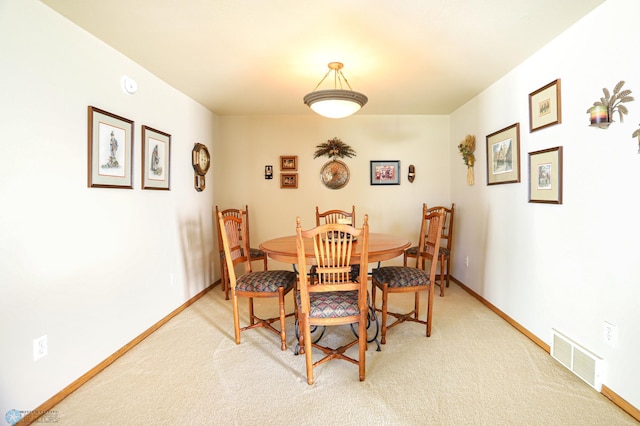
(636,134)
(412,173)
(602,112)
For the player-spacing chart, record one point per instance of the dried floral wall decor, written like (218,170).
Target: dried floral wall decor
(334,174)
(334,148)
(467,148)
(602,111)
(636,134)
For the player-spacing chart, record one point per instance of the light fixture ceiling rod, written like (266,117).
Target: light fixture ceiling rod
(323,78)
(345,80)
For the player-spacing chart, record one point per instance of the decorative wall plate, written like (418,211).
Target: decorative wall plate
(334,174)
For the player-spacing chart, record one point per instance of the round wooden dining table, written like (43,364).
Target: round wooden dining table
(381,247)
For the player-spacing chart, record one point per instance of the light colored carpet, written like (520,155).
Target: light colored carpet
(475,369)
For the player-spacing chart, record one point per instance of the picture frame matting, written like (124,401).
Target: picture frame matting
(156,159)
(545,176)
(110,150)
(503,155)
(385,172)
(545,107)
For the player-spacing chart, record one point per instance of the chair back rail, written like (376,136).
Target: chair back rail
(335,216)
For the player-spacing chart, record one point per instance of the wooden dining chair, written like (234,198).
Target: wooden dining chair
(333,298)
(335,216)
(254,253)
(408,279)
(250,284)
(446,246)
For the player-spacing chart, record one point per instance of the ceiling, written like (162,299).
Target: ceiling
(246,57)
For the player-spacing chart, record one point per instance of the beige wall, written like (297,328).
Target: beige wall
(571,266)
(91,268)
(247,144)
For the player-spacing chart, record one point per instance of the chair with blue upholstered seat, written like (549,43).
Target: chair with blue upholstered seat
(408,279)
(250,284)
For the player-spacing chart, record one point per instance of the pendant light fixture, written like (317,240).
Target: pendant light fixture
(336,102)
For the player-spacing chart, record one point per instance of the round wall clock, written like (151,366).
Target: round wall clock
(200,159)
(334,174)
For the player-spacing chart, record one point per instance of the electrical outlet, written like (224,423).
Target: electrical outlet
(40,347)
(466,261)
(610,334)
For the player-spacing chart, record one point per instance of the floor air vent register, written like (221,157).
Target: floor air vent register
(580,361)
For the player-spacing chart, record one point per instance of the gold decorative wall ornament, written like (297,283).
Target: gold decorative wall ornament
(602,111)
(467,148)
(334,174)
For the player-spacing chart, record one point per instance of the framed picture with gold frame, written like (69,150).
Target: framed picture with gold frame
(289,180)
(503,155)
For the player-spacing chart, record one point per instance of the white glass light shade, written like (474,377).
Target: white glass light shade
(336,103)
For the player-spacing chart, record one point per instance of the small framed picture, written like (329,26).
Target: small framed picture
(503,156)
(385,172)
(289,163)
(545,176)
(268,171)
(156,159)
(110,150)
(544,107)
(288,180)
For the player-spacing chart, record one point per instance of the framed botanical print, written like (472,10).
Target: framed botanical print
(545,176)
(110,150)
(503,155)
(545,108)
(156,159)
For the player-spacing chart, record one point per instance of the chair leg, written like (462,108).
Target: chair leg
(385,295)
(225,281)
(236,317)
(251,314)
(442,283)
(362,344)
(430,309)
(448,269)
(307,348)
(283,334)
(223,275)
